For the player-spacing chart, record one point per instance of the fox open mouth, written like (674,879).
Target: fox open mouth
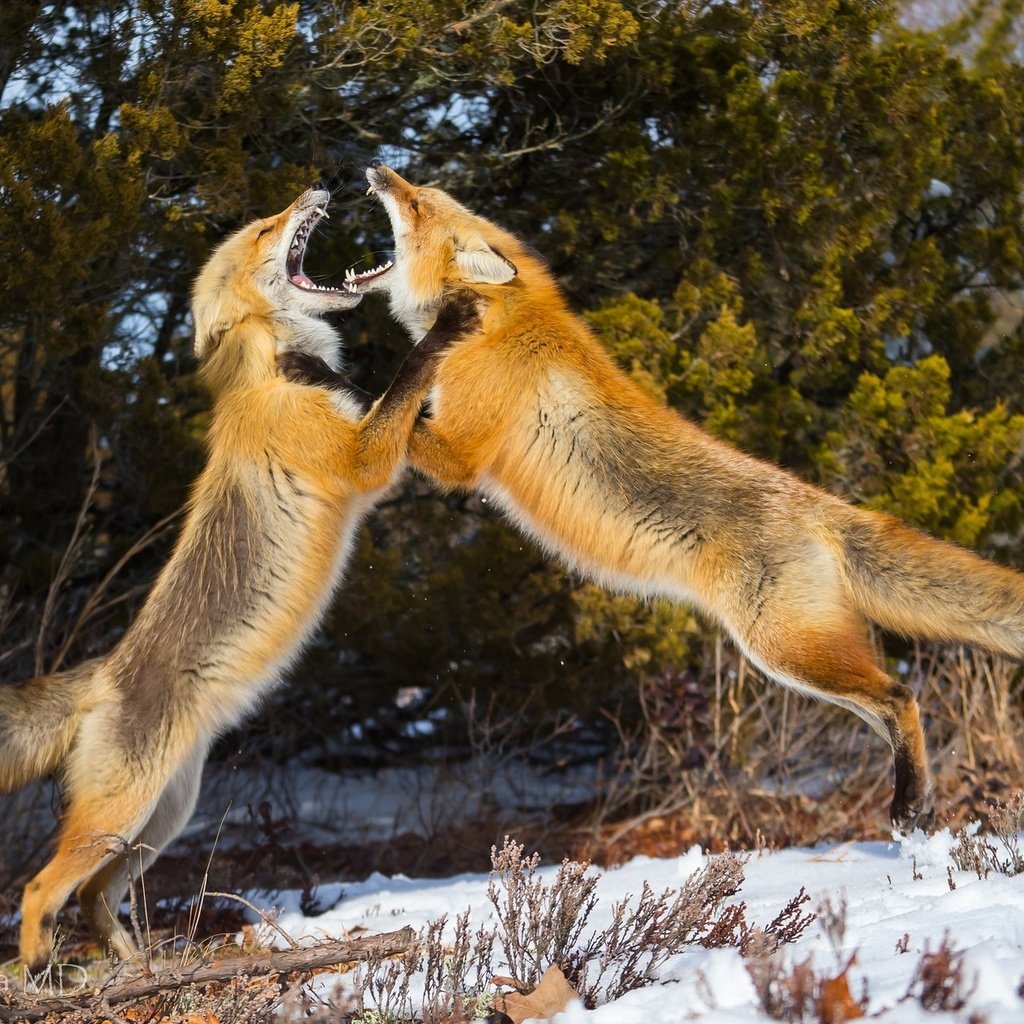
(353,281)
(297,251)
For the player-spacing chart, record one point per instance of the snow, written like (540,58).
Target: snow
(897,894)
(366,806)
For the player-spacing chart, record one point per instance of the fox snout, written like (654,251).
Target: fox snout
(317,196)
(383,179)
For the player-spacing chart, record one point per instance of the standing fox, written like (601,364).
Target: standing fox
(532,411)
(291,471)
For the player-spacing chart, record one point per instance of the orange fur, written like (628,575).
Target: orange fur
(532,411)
(291,471)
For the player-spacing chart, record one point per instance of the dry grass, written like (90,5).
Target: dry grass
(542,924)
(727,762)
(751,764)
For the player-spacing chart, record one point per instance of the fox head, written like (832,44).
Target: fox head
(253,300)
(439,244)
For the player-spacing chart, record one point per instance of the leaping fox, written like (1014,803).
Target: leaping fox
(291,471)
(532,411)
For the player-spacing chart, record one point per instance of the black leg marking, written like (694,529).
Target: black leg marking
(303,368)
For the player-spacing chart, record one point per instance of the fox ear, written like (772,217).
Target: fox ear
(480,264)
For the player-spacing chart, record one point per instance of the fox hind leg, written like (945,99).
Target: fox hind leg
(100,896)
(93,831)
(834,660)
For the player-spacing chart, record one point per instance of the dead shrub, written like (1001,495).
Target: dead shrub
(732,929)
(747,759)
(995,850)
(798,992)
(455,984)
(457,974)
(938,981)
(387,982)
(629,953)
(539,925)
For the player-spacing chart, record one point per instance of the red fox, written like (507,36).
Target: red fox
(291,471)
(531,410)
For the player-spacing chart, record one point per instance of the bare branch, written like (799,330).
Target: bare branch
(70,552)
(17,1006)
(92,605)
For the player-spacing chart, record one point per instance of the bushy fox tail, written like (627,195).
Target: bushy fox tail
(39,719)
(916,585)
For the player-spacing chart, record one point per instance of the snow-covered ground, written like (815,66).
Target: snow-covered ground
(366,806)
(902,899)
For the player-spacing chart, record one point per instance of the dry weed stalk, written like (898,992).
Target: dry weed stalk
(731,756)
(938,981)
(998,850)
(539,925)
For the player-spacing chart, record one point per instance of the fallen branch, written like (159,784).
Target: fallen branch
(20,1006)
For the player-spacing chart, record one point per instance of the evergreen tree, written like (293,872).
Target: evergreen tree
(799,223)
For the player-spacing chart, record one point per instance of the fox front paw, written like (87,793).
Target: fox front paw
(303,368)
(459,315)
(912,806)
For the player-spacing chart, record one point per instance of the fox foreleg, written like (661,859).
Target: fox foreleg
(304,368)
(431,455)
(383,434)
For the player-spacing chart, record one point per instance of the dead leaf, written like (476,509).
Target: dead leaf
(551,996)
(836,1004)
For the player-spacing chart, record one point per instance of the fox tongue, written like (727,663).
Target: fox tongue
(301,280)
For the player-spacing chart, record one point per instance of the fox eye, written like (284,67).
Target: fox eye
(415,204)
(264,231)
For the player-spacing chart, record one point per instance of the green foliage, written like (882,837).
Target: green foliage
(899,448)
(641,636)
(800,223)
(634,331)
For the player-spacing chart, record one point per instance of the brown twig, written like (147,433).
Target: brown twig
(71,553)
(93,603)
(21,1007)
